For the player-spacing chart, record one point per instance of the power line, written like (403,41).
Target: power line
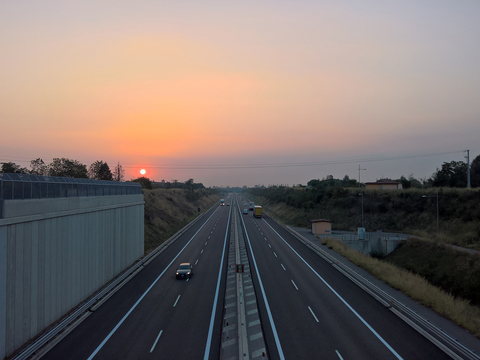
(278,165)
(297,164)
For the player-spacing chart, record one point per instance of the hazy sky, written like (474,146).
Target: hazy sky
(186,88)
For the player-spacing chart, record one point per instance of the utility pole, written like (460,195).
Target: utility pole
(359,183)
(468,168)
(362,207)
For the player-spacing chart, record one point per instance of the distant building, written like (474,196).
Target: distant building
(384,185)
(321,227)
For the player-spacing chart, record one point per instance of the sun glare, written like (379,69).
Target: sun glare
(143,171)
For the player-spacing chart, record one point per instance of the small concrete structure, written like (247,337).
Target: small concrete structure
(61,240)
(373,243)
(321,227)
(384,185)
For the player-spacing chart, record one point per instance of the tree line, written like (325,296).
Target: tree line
(452,174)
(63,167)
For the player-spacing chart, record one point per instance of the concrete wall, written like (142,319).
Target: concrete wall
(58,252)
(378,242)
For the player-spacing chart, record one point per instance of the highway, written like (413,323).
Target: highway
(308,309)
(317,312)
(157,316)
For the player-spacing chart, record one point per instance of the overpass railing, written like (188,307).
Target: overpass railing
(26,186)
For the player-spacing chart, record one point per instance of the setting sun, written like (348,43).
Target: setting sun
(143,171)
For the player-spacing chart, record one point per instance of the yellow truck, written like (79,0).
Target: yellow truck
(258,211)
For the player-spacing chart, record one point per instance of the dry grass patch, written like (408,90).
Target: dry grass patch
(458,310)
(167,211)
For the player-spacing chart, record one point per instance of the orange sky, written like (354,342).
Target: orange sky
(219,83)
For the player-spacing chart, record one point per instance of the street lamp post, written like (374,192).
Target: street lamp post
(438,222)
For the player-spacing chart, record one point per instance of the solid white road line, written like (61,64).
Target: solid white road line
(269,313)
(176,301)
(144,294)
(283,267)
(339,356)
(309,308)
(341,299)
(293,282)
(155,343)
(214,308)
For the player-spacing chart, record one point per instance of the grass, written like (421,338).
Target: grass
(458,310)
(168,210)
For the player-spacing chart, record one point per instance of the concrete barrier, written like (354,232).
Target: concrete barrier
(55,253)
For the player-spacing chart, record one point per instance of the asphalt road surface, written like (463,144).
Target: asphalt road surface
(307,308)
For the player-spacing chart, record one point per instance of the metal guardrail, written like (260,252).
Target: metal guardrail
(101,296)
(436,335)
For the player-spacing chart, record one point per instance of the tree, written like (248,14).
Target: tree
(67,168)
(144,181)
(414,183)
(12,168)
(314,183)
(189,184)
(452,174)
(100,170)
(475,172)
(38,167)
(405,182)
(118,173)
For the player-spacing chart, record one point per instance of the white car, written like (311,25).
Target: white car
(245,211)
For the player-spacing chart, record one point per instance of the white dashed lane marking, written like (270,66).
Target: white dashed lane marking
(309,308)
(293,282)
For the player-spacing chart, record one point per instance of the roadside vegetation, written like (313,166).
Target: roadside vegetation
(168,210)
(460,311)
(404,211)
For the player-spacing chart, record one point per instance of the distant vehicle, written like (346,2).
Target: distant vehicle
(258,211)
(185,270)
(251,206)
(245,211)
(228,204)
(222,202)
